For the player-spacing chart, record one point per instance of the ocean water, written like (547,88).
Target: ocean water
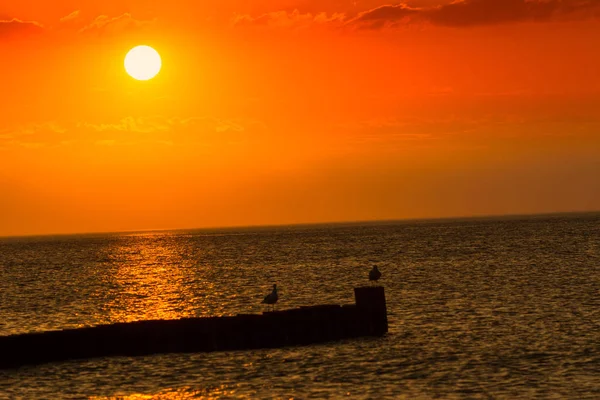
(497,308)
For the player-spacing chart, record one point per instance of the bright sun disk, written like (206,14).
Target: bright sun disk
(142,63)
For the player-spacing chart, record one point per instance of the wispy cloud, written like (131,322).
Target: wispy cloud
(72,24)
(129,124)
(465,13)
(165,124)
(34,135)
(458,13)
(103,24)
(288,19)
(71,17)
(17,27)
(162,130)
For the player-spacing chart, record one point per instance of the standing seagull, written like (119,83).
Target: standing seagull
(272,297)
(374,274)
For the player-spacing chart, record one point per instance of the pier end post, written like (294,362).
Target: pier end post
(371,301)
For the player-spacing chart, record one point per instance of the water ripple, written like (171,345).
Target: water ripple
(504,309)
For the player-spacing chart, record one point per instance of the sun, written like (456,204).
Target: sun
(142,63)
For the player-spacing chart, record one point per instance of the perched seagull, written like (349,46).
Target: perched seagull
(374,274)
(272,297)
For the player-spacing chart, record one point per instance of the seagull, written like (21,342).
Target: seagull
(374,274)
(272,297)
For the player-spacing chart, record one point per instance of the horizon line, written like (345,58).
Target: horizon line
(307,224)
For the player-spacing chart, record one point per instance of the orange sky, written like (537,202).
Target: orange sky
(283,111)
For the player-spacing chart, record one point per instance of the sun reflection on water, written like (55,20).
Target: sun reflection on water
(152,278)
(178,394)
(157,275)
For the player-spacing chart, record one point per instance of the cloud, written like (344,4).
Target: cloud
(32,129)
(129,124)
(174,130)
(33,135)
(71,23)
(459,13)
(288,19)
(158,124)
(161,130)
(166,124)
(104,24)
(71,17)
(19,28)
(387,130)
(466,13)
(385,15)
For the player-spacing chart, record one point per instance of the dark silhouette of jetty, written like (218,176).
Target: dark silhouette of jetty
(293,327)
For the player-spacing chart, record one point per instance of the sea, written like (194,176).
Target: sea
(480,308)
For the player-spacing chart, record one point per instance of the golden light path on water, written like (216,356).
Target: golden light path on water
(152,280)
(179,394)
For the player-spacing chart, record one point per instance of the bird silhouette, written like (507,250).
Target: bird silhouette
(271,298)
(374,274)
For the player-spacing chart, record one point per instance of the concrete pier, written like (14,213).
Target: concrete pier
(293,327)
